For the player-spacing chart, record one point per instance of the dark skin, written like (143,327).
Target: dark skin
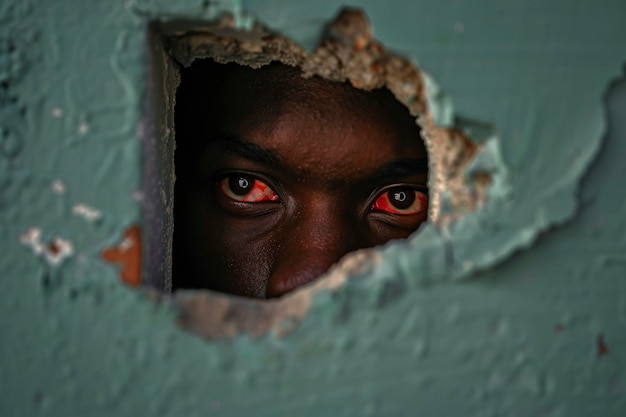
(278,177)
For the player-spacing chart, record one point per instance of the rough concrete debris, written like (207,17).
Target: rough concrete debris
(347,51)
(215,315)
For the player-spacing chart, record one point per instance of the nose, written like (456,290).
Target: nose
(312,242)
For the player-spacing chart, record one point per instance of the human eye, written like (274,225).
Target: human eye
(246,188)
(401,200)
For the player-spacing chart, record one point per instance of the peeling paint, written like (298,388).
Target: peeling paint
(128,254)
(54,252)
(58,187)
(82,128)
(88,213)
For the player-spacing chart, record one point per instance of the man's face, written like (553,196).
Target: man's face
(294,174)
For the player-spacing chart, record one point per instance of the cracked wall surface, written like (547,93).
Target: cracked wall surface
(514,309)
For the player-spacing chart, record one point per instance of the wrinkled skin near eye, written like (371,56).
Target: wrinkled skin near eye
(279,176)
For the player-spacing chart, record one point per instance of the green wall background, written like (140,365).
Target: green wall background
(516,310)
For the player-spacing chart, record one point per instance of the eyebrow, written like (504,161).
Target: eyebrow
(400,168)
(235,144)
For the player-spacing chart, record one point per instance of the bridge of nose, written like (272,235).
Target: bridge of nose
(313,240)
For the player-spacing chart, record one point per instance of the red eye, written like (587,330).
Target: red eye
(246,188)
(401,200)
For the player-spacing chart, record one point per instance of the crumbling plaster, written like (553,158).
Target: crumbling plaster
(536,332)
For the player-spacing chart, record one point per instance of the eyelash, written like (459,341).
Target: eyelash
(245,188)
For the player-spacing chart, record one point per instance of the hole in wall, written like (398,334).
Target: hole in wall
(348,70)
(279,176)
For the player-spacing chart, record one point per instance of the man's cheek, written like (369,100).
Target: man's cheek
(245,264)
(247,273)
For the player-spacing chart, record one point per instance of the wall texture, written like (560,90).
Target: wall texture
(516,310)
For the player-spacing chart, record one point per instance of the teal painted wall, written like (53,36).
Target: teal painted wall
(516,310)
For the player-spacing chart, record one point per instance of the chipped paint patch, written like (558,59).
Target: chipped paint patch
(88,213)
(82,129)
(58,187)
(137,195)
(54,252)
(602,347)
(128,254)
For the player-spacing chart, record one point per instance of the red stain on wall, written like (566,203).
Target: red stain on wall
(128,254)
(603,349)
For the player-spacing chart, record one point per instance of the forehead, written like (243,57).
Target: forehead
(316,127)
